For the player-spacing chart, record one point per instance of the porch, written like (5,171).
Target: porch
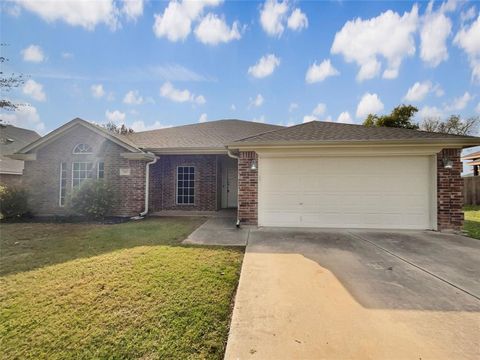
(193,185)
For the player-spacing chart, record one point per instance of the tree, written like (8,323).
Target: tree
(400,117)
(7,83)
(117,129)
(452,125)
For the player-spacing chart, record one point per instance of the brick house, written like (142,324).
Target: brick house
(317,174)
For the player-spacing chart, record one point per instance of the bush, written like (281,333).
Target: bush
(13,203)
(94,199)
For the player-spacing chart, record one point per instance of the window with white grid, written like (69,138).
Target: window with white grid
(81,171)
(185,185)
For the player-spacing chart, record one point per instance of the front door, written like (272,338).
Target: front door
(229,183)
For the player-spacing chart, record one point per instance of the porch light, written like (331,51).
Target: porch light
(447,163)
(253,165)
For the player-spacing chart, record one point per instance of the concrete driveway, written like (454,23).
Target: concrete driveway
(355,294)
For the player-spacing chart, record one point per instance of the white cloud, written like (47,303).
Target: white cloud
(265,66)
(97,91)
(467,39)
(418,91)
(213,30)
(297,20)
(345,118)
(115,116)
(203,118)
(272,17)
(67,55)
(292,107)
(468,15)
(388,35)
(257,101)
(132,9)
(33,53)
(317,73)
(140,125)
(309,118)
(460,102)
(34,90)
(133,97)
(430,112)
(176,21)
(319,109)
(369,104)
(260,119)
(477,109)
(25,117)
(435,29)
(168,91)
(233,107)
(87,14)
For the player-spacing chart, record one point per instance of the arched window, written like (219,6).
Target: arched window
(82,149)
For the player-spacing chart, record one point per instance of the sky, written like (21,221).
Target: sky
(153,64)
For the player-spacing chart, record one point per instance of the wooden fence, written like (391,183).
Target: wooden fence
(471,190)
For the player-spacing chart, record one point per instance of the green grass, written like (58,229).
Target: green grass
(126,291)
(472,221)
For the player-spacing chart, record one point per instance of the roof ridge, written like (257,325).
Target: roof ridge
(271,131)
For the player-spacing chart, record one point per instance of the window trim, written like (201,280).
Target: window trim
(60,183)
(194,185)
(81,162)
(82,153)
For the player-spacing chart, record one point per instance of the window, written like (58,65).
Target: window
(82,149)
(185,185)
(63,183)
(80,172)
(100,170)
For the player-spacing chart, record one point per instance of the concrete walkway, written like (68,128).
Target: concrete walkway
(343,294)
(219,231)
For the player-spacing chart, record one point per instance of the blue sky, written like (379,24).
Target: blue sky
(152,64)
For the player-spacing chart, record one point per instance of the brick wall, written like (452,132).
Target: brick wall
(11,180)
(42,176)
(449,191)
(247,188)
(163,182)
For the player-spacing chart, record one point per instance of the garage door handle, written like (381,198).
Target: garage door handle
(300,203)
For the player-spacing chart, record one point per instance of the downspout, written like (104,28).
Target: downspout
(147,189)
(233,156)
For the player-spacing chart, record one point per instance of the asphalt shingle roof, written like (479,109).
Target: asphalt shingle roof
(13,138)
(318,131)
(211,134)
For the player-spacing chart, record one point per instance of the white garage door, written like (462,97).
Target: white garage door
(356,192)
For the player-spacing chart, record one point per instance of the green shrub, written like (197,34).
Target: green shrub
(94,199)
(13,203)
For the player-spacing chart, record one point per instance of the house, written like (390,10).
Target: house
(13,138)
(317,174)
(475,161)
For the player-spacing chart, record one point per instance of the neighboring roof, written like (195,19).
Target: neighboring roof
(472,156)
(329,132)
(207,135)
(13,138)
(119,139)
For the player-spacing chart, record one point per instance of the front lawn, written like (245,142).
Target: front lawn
(125,291)
(472,221)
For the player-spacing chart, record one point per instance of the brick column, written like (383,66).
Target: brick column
(449,191)
(247,188)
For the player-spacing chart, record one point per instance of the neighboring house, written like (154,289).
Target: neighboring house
(475,161)
(317,174)
(13,138)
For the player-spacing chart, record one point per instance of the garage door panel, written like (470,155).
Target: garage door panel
(370,192)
